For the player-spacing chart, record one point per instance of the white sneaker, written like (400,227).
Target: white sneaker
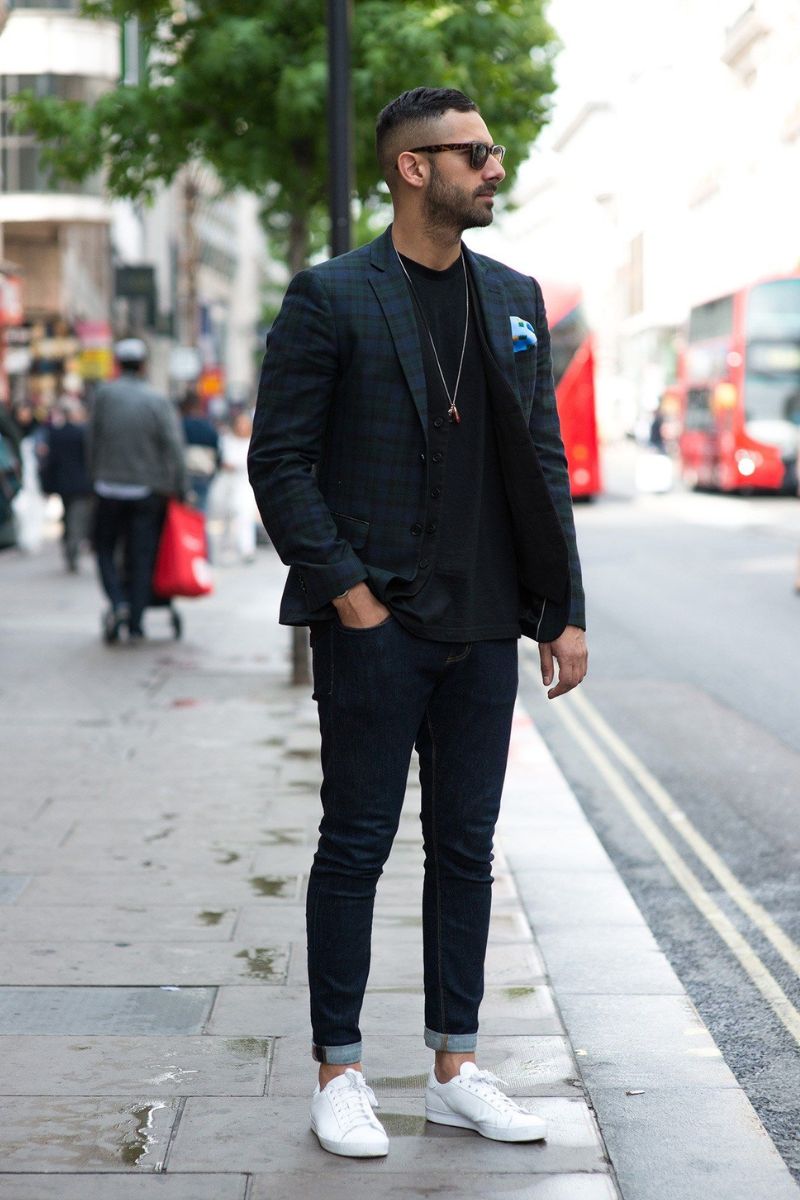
(343,1120)
(471,1100)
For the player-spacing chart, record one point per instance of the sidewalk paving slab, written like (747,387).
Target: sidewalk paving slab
(124,1187)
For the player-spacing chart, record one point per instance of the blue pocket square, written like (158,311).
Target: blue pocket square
(523,335)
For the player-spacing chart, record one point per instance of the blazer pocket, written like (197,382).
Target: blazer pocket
(352,529)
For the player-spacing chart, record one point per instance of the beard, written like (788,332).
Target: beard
(449,208)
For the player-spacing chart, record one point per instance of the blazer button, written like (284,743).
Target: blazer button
(432,527)
(423,564)
(438,422)
(438,456)
(416,530)
(422,457)
(436,493)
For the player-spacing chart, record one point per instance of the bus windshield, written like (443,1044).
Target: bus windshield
(772,356)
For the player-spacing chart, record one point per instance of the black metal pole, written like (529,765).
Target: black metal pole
(340,123)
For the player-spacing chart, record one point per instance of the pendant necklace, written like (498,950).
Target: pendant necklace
(452,411)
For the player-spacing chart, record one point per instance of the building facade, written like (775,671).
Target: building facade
(185,272)
(669,175)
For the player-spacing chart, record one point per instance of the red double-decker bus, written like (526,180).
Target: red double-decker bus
(573,372)
(739,387)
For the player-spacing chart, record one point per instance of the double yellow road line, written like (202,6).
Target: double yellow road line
(602,745)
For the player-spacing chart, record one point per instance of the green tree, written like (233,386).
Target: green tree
(241,85)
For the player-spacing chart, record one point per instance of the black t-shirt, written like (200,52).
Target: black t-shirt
(466,588)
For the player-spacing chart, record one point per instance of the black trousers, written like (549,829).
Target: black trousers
(127,532)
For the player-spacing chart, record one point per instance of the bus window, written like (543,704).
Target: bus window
(773,310)
(566,338)
(772,356)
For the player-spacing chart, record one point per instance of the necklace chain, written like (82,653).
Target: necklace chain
(452,411)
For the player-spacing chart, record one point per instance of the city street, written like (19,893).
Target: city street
(695,666)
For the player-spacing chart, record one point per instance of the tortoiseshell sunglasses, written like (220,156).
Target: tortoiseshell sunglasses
(478,152)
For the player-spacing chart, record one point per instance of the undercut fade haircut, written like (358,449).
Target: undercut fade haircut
(401,124)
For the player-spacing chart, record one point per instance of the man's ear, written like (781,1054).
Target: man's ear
(412,169)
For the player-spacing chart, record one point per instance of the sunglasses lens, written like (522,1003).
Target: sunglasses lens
(499,152)
(480,153)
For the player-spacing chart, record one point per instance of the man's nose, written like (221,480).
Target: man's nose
(493,171)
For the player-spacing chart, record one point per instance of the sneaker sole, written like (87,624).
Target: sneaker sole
(537,1134)
(351,1149)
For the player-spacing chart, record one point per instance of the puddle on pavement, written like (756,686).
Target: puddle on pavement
(518,993)
(209,917)
(303,752)
(137,1144)
(403,1125)
(248,1049)
(282,837)
(260,963)
(271,885)
(226,857)
(405,1082)
(157,837)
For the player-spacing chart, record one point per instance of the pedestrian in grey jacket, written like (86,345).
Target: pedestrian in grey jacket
(136,460)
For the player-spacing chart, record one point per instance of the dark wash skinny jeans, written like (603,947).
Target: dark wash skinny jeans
(380,692)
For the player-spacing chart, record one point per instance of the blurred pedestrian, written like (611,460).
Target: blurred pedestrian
(136,461)
(408,466)
(202,450)
(64,472)
(232,501)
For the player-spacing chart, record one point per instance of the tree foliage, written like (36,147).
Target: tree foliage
(241,85)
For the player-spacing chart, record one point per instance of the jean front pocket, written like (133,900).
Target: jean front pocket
(361,630)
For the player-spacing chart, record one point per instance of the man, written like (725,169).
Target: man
(136,460)
(408,466)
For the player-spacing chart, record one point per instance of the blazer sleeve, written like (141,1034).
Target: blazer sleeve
(546,434)
(295,394)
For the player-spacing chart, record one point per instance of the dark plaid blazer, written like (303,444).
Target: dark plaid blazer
(338,457)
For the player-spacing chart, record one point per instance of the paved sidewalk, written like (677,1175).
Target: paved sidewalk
(159,809)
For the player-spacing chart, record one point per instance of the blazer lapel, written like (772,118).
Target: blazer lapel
(496,313)
(389,285)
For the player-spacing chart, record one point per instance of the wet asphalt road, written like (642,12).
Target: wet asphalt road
(694,635)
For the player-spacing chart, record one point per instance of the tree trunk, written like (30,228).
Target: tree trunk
(298,260)
(299,242)
(189,327)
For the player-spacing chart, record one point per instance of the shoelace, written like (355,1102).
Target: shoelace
(487,1079)
(354,1103)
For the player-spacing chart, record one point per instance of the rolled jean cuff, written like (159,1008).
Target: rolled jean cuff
(451,1043)
(337,1055)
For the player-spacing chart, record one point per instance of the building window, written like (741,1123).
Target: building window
(19,154)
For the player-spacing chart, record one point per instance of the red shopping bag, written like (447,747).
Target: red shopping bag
(182,567)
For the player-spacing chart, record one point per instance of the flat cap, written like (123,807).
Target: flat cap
(130,350)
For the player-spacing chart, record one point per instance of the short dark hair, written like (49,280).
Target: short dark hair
(417,107)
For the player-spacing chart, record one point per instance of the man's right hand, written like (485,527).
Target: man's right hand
(360,609)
